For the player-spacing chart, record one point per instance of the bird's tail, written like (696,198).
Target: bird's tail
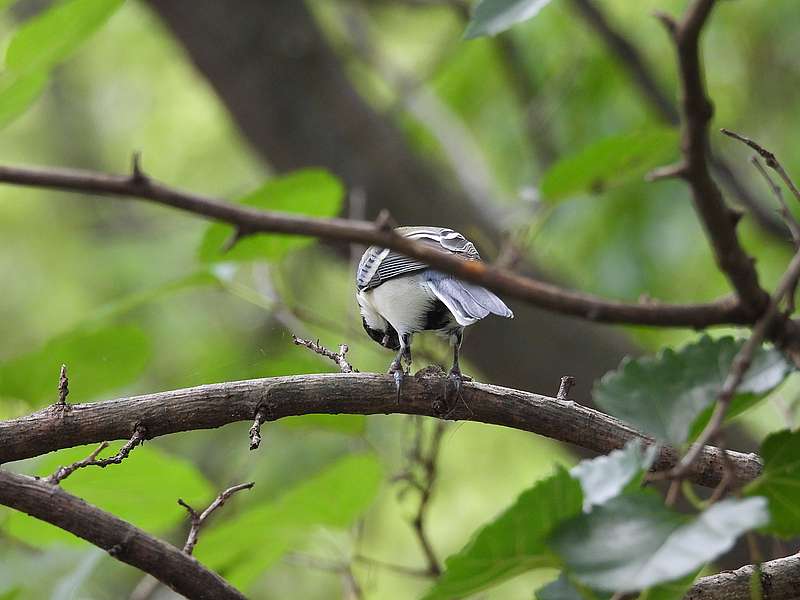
(468,302)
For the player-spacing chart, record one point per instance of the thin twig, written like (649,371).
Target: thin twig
(788,217)
(337,357)
(255,428)
(769,158)
(741,363)
(198,519)
(401,569)
(62,473)
(425,459)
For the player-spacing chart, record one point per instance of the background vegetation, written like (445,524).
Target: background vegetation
(540,127)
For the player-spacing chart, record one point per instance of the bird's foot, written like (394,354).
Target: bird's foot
(396,369)
(457,378)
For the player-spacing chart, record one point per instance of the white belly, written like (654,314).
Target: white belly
(403,302)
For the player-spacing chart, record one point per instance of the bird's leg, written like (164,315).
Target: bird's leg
(396,368)
(456,377)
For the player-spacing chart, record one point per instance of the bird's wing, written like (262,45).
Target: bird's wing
(381,264)
(466,301)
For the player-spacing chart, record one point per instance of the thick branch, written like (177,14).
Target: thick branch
(119,538)
(538,293)
(211,406)
(780,580)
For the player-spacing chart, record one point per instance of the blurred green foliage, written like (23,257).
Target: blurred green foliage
(120,293)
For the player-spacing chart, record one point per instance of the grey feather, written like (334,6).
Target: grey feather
(467,302)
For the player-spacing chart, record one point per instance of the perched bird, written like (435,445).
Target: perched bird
(400,296)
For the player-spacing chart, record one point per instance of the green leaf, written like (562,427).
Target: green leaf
(780,482)
(333,498)
(514,542)
(346,424)
(312,192)
(608,163)
(494,16)
(605,477)
(98,360)
(143,489)
(49,38)
(665,394)
(634,542)
(18,93)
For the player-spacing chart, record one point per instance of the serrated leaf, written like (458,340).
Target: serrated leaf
(780,482)
(53,35)
(334,498)
(18,93)
(491,17)
(312,192)
(633,541)
(663,395)
(143,489)
(512,543)
(98,360)
(605,477)
(608,162)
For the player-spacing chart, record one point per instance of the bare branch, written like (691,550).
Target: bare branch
(198,519)
(62,473)
(724,311)
(769,158)
(696,112)
(211,406)
(119,538)
(781,577)
(337,357)
(788,217)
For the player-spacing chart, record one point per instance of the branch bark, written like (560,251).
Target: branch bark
(251,221)
(780,580)
(211,406)
(119,538)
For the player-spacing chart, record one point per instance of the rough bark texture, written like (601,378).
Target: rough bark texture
(293,102)
(215,405)
(119,538)
(780,580)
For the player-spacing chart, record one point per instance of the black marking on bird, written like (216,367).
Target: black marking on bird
(400,296)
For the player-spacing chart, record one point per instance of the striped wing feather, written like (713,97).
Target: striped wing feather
(381,264)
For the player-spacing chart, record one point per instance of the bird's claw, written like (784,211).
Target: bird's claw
(397,371)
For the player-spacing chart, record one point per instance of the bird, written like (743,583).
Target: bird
(399,296)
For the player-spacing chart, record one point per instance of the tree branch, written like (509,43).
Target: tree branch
(538,293)
(119,538)
(211,406)
(780,580)
(696,112)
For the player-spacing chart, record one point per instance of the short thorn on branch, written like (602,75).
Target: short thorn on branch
(567,382)
(137,173)
(197,519)
(63,387)
(238,235)
(62,473)
(337,357)
(255,428)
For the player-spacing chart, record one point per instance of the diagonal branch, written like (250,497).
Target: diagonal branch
(211,406)
(119,538)
(250,220)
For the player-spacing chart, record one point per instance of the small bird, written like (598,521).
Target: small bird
(400,296)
